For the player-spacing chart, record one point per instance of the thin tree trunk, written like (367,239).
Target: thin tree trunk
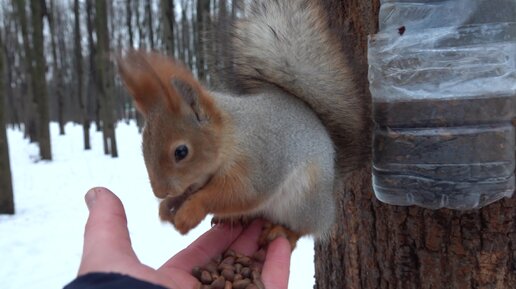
(57,74)
(40,81)
(129,20)
(83,99)
(105,78)
(378,246)
(9,46)
(92,79)
(185,31)
(220,46)
(6,186)
(179,36)
(29,100)
(141,34)
(66,73)
(168,20)
(148,16)
(234,6)
(203,14)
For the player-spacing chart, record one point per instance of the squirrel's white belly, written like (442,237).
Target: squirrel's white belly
(289,201)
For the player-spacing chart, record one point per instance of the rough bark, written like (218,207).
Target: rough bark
(40,84)
(379,246)
(6,186)
(105,78)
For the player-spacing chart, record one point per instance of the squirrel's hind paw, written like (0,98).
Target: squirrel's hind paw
(272,231)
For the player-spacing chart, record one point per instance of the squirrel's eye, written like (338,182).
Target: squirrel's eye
(181,152)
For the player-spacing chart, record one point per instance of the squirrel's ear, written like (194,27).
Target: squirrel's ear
(141,86)
(190,96)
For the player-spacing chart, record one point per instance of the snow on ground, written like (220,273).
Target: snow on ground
(40,246)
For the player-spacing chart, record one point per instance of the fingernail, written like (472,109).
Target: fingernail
(90,198)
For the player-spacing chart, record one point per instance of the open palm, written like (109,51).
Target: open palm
(107,248)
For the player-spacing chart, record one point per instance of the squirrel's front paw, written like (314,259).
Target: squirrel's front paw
(188,216)
(167,209)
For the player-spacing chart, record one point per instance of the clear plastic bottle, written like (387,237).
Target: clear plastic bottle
(443,79)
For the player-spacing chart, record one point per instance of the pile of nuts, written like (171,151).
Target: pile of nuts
(232,271)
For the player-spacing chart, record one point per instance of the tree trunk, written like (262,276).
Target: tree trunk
(92,79)
(203,14)
(222,45)
(234,6)
(57,73)
(6,186)
(185,35)
(377,246)
(29,98)
(139,25)
(9,46)
(40,82)
(129,22)
(83,100)
(105,78)
(168,20)
(148,16)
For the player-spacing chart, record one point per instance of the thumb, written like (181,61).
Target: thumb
(106,238)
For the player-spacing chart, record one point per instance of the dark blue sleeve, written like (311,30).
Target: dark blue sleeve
(110,281)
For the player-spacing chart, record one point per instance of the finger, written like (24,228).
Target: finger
(206,247)
(106,238)
(276,269)
(247,243)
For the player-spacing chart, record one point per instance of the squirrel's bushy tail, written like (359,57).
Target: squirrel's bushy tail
(287,44)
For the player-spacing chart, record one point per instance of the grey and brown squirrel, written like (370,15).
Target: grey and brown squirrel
(267,151)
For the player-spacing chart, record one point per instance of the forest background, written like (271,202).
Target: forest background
(57,63)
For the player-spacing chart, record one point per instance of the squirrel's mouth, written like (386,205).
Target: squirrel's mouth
(174,203)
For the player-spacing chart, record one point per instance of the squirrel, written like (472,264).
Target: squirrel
(268,150)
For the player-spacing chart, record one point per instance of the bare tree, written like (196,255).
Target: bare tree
(139,25)
(105,78)
(203,16)
(79,70)
(186,49)
(168,20)
(92,74)
(6,186)
(129,21)
(40,84)
(29,82)
(10,46)
(57,72)
(149,19)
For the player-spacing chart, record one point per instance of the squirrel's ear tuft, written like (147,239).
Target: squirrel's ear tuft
(142,86)
(189,95)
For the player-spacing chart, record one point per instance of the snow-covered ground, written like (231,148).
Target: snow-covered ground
(40,246)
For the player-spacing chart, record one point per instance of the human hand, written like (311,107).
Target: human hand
(107,248)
